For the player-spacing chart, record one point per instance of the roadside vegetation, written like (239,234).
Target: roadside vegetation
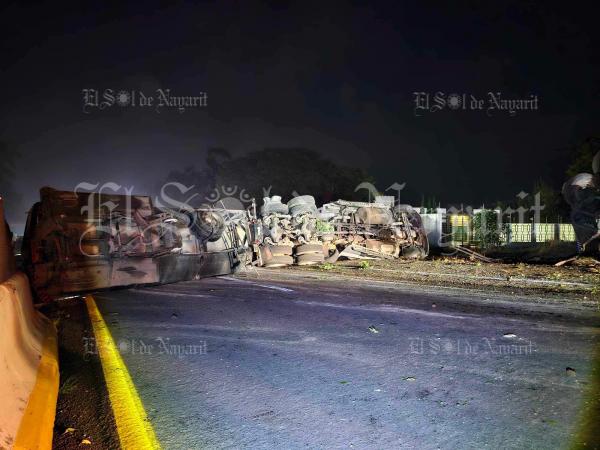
(579,281)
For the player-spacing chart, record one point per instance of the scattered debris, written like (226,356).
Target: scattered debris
(473,254)
(373,329)
(86,442)
(510,335)
(588,262)
(573,282)
(355,251)
(69,430)
(566,261)
(571,372)
(409,379)
(263,414)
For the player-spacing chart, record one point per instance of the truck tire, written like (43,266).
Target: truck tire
(279,261)
(413,252)
(281,250)
(301,200)
(310,258)
(309,248)
(303,209)
(273,208)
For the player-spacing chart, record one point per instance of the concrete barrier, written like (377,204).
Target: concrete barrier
(28,358)
(29,376)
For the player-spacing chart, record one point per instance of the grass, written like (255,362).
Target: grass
(364,265)
(69,385)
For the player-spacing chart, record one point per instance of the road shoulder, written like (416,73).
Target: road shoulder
(83,413)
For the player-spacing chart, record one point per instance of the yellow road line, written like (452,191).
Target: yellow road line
(133,426)
(35,430)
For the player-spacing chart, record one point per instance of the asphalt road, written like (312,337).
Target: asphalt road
(307,363)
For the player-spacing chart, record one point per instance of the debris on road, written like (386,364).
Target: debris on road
(473,254)
(578,282)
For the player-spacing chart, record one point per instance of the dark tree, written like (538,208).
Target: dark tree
(12,198)
(291,171)
(583,155)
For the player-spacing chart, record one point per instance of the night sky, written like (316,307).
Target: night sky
(336,77)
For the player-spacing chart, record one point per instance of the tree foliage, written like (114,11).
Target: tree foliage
(486,230)
(552,201)
(583,155)
(272,171)
(291,171)
(12,198)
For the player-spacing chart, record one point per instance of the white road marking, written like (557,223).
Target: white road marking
(267,286)
(169,293)
(277,288)
(383,308)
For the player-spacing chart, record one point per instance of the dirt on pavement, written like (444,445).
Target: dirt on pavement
(577,281)
(84,416)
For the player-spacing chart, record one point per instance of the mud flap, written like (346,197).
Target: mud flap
(217,263)
(173,268)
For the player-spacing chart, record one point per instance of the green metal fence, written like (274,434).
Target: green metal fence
(517,232)
(458,230)
(566,232)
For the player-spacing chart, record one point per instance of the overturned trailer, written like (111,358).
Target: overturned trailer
(82,241)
